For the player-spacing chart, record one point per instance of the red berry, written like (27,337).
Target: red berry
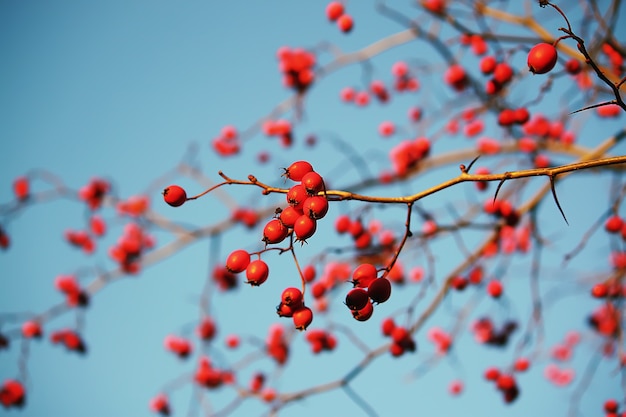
(21,188)
(313,182)
(363,275)
(614,224)
(334,10)
(302,317)
(611,406)
(292,297)
(488,64)
(290,214)
(296,196)
(357,298)
(257,272)
(345,23)
(174,195)
(379,290)
(522,364)
(238,261)
(342,224)
(297,170)
(365,313)
(387,326)
(315,207)
(502,73)
(600,290)
(542,58)
(274,232)
(31,329)
(494,288)
(573,66)
(304,227)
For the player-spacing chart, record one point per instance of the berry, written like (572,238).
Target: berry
(174,195)
(494,288)
(542,58)
(334,10)
(21,188)
(302,317)
(292,297)
(363,275)
(257,272)
(296,196)
(613,224)
(345,23)
(365,313)
(315,207)
(289,215)
(238,261)
(313,182)
(379,290)
(297,170)
(274,232)
(357,298)
(304,227)
(387,326)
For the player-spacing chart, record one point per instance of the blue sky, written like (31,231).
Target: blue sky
(125,89)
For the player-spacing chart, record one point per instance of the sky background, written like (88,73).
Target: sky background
(125,89)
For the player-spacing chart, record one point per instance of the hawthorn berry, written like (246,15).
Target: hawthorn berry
(21,188)
(302,318)
(274,232)
(174,195)
(296,196)
(297,170)
(365,313)
(357,298)
(345,23)
(257,272)
(315,207)
(542,58)
(379,290)
(289,215)
(238,261)
(494,288)
(304,227)
(313,182)
(334,10)
(363,275)
(292,297)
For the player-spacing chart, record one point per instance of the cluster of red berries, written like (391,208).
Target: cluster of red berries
(510,117)
(94,192)
(606,320)
(80,239)
(542,58)
(441,339)
(321,340)
(403,79)
(276,344)
(208,376)
(400,336)
(227,143)
(408,153)
(246,216)
(134,206)
(12,394)
(368,289)
(281,128)
(296,65)
(75,295)
(485,332)
(292,305)
(505,383)
(335,13)
(360,234)
(130,246)
(178,345)
(160,404)
(476,42)
(257,271)
(70,339)
(502,209)
(351,95)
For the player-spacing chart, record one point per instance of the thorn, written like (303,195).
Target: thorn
(556,200)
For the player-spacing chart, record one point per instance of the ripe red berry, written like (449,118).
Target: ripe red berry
(502,73)
(296,196)
(365,313)
(304,227)
(379,290)
(387,326)
(292,297)
(302,317)
(345,23)
(611,406)
(238,261)
(313,182)
(21,188)
(274,232)
(363,275)
(613,224)
(494,288)
(542,58)
(315,207)
(334,10)
(297,170)
(174,195)
(257,272)
(290,214)
(357,298)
